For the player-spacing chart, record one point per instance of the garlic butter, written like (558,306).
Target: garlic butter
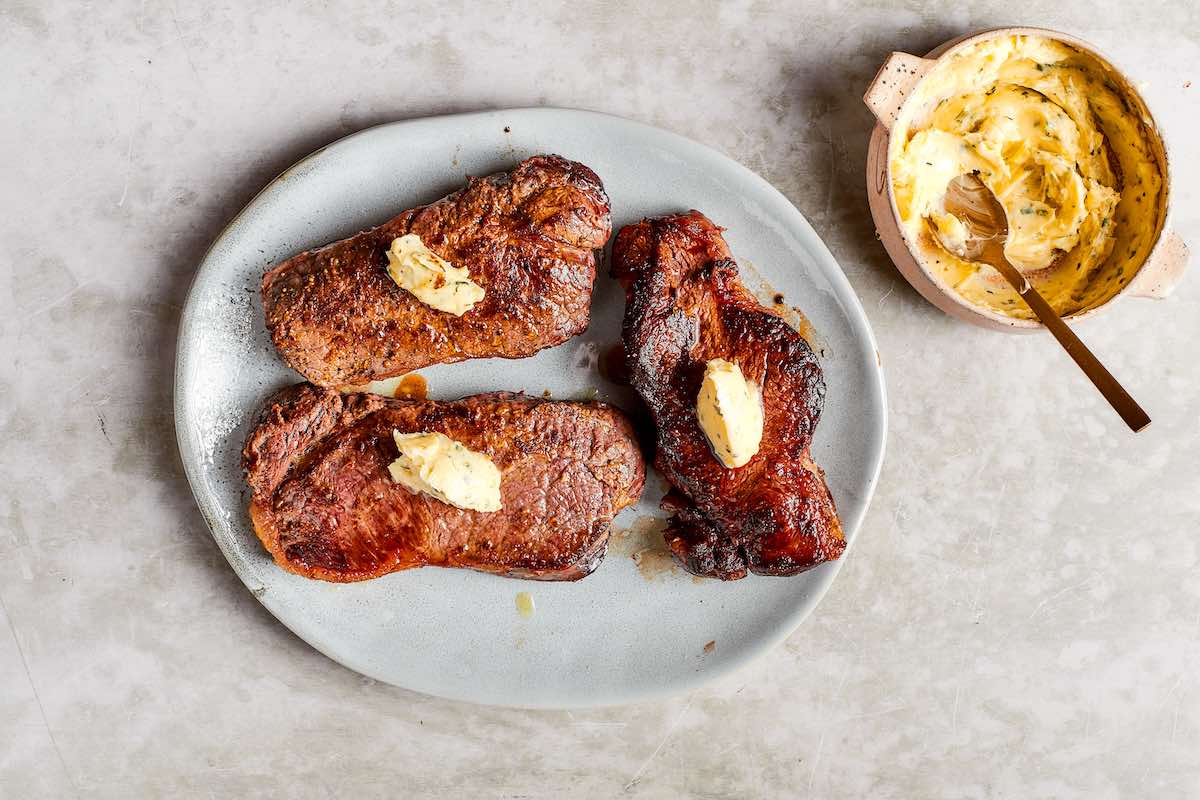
(1047,129)
(730,412)
(430,278)
(442,468)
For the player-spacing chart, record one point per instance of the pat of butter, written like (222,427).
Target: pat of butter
(730,411)
(442,468)
(430,278)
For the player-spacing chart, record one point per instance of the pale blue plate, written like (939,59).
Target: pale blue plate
(636,628)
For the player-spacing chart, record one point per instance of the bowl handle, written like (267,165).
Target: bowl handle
(893,84)
(1164,268)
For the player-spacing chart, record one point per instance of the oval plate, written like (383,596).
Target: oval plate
(637,627)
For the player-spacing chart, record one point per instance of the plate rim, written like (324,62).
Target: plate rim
(844,292)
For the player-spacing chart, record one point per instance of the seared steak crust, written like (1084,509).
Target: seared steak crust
(325,506)
(684,306)
(526,236)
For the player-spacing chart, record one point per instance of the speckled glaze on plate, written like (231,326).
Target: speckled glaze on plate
(638,627)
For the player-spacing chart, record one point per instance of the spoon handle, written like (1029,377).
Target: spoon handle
(1113,392)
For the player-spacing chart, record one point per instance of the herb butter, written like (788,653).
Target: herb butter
(436,465)
(1047,129)
(730,412)
(430,278)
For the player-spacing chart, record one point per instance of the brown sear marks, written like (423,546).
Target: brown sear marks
(528,237)
(685,305)
(325,506)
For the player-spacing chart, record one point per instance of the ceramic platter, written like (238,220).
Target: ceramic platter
(638,627)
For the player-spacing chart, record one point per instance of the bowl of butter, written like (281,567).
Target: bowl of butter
(1064,141)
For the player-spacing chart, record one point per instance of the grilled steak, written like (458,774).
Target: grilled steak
(526,236)
(684,306)
(325,506)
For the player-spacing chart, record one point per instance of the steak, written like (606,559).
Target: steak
(325,506)
(527,237)
(685,305)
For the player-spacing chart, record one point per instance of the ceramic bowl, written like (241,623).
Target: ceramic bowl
(895,85)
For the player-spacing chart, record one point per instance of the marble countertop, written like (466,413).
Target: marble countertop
(1020,616)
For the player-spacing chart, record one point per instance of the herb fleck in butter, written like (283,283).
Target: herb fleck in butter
(430,278)
(436,465)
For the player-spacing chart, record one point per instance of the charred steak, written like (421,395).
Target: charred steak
(527,237)
(684,306)
(325,506)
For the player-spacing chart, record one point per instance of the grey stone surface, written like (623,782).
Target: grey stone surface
(1019,618)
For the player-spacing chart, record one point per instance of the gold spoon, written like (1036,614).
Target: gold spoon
(969,199)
